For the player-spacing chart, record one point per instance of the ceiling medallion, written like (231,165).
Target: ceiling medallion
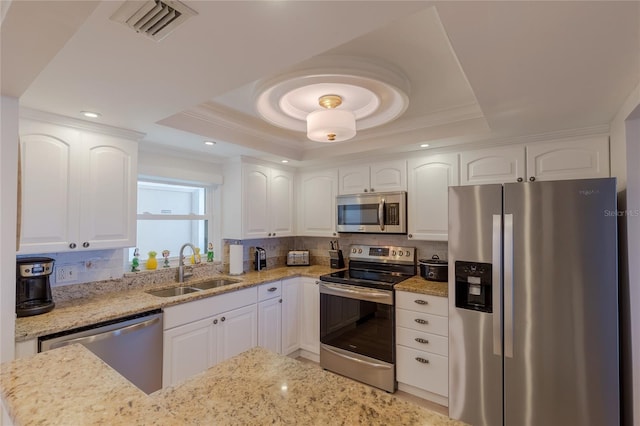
(330,97)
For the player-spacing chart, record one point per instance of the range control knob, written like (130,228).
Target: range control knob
(359,250)
(393,252)
(400,253)
(408,253)
(353,250)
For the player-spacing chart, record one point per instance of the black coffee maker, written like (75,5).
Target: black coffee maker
(33,290)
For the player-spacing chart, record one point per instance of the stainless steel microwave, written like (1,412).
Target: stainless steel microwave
(380,213)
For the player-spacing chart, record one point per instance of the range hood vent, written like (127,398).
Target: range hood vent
(154,19)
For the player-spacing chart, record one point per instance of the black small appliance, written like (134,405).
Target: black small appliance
(33,290)
(260,259)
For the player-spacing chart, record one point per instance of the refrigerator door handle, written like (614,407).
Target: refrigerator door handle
(497,287)
(508,285)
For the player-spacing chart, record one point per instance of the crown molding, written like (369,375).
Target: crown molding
(75,123)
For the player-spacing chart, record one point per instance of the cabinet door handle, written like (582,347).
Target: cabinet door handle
(274,234)
(421,302)
(366,190)
(373,190)
(532,178)
(215,321)
(421,321)
(72,245)
(421,340)
(272,289)
(280,301)
(85,244)
(410,235)
(422,360)
(222,319)
(520,179)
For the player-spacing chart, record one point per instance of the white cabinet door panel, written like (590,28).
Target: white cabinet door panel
(354,180)
(574,159)
(493,165)
(270,324)
(317,204)
(389,176)
(310,330)
(238,331)
(188,350)
(281,203)
(291,295)
(255,206)
(428,197)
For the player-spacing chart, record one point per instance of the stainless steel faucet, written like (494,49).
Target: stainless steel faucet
(181,274)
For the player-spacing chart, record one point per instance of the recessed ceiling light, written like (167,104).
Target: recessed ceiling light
(210,143)
(424,145)
(90,114)
(284,161)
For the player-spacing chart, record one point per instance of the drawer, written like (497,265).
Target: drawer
(423,322)
(422,303)
(202,308)
(269,290)
(422,341)
(423,370)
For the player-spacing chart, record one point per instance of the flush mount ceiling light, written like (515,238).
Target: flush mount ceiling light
(330,98)
(331,124)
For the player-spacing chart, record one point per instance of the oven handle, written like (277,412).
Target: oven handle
(359,293)
(381,214)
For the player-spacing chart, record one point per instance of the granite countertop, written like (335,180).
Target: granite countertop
(418,284)
(92,309)
(70,385)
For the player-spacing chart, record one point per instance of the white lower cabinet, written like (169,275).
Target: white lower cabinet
(291,313)
(270,316)
(200,334)
(310,319)
(422,366)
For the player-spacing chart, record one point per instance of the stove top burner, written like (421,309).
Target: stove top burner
(376,267)
(365,278)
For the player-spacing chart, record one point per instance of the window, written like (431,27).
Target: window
(170,215)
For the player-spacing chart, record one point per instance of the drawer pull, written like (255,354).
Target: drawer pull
(422,360)
(421,321)
(272,289)
(421,340)
(421,302)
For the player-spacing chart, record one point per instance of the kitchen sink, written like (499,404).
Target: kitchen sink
(192,287)
(214,283)
(173,291)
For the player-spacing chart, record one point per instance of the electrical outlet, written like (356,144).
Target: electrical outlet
(66,274)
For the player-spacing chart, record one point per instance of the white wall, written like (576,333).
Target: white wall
(8,214)
(625,165)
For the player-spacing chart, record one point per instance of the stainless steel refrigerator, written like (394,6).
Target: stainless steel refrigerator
(533,304)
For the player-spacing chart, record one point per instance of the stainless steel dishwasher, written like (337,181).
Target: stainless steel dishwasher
(132,346)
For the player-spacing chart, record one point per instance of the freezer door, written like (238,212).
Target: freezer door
(561,306)
(475,363)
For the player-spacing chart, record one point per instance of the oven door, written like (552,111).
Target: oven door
(356,319)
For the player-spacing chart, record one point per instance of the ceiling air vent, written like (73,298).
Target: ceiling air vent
(154,19)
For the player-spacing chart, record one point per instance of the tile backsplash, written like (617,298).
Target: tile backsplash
(318,247)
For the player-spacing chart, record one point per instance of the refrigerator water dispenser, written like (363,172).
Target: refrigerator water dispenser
(473,286)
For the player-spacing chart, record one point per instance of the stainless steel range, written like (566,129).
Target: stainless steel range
(357,314)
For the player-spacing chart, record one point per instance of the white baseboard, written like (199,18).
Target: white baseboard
(421,393)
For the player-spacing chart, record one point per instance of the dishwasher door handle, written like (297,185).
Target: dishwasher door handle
(107,334)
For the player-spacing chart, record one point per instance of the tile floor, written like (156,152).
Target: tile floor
(402,395)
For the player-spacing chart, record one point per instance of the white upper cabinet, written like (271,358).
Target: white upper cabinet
(429,181)
(378,177)
(258,202)
(553,160)
(78,189)
(317,203)
(492,165)
(569,159)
